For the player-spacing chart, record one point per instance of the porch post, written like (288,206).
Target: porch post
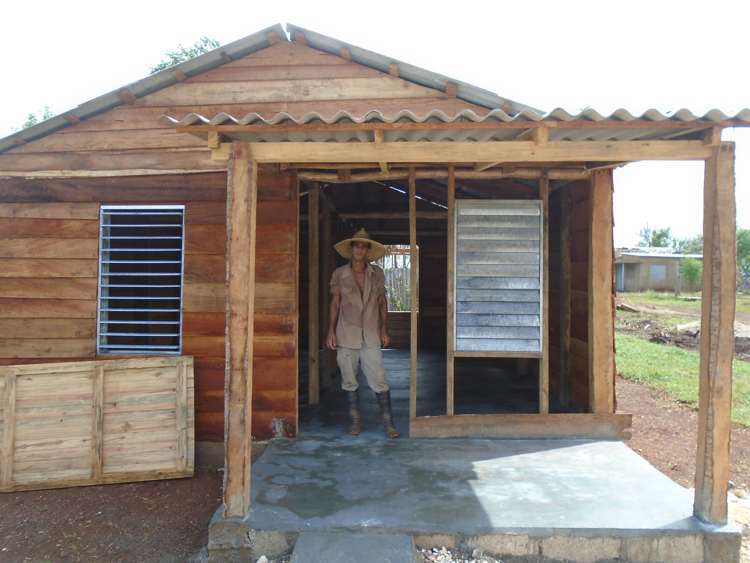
(544,360)
(413,294)
(601,301)
(716,336)
(313,289)
(242,188)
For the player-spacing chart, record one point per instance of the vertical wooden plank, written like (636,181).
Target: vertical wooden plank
(717,337)
(181,415)
(327,359)
(97,423)
(413,292)
(601,327)
(313,289)
(242,189)
(450,305)
(565,296)
(544,360)
(9,431)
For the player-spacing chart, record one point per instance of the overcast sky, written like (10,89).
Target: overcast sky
(574,55)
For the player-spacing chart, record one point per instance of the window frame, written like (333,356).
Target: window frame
(103,209)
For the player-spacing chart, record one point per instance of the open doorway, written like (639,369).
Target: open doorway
(482,385)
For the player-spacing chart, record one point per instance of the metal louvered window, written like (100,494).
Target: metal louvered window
(141,257)
(498,278)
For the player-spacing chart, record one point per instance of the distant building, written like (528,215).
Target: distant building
(648,267)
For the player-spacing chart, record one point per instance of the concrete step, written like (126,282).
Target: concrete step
(353,547)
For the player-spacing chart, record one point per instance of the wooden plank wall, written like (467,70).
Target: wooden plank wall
(93,422)
(48,294)
(284,77)
(579,254)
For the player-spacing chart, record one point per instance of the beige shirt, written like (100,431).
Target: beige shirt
(359,316)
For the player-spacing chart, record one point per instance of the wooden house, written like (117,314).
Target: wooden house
(200,170)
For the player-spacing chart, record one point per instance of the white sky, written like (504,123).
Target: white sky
(573,54)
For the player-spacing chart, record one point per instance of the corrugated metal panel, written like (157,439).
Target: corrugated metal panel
(498,276)
(639,127)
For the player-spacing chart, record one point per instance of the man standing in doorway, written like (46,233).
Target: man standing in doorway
(358,325)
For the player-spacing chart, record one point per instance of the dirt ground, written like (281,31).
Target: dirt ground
(155,521)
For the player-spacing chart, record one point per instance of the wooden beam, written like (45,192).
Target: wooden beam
(584,425)
(7,450)
(450,345)
(438,215)
(378,136)
(451,89)
(393,70)
(242,189)
(313,291)
(437,174)
(97,423)
(126,96)
(717,336)
(471,152)
(214,140)
(413,294)
(345,53)
(544,360)
(600,323)
(564,299)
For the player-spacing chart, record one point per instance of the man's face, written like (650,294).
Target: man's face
(359,250)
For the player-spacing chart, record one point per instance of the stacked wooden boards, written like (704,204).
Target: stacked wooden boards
(498,276)
(88,423)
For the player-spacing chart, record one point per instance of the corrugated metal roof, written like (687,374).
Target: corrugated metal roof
(464,91)
(620,125)
(148,85)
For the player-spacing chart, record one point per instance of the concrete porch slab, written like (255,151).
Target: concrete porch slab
(345,547)
(555,499)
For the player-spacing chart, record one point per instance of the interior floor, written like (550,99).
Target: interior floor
(482,386)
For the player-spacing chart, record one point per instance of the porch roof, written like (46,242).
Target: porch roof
(466,125)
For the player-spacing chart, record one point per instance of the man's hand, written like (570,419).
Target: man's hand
(384,338)
(331,340)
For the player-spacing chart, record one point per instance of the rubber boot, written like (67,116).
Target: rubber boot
(355,427)
(384,402)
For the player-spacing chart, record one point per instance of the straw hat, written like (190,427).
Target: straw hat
(344,247)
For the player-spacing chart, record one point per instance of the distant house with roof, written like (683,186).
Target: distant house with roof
(651,268)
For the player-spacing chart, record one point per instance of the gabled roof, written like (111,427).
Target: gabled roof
(241,48)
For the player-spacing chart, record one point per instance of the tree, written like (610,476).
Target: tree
(32,118)
(691,270)
(690,245)
(655,237)
(743,257)
(182,53)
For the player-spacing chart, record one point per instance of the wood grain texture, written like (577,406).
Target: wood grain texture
(413,295)
(94,422)
(601,323)
(717,337)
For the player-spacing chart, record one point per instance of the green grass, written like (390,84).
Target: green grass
(676,371)
(667,299)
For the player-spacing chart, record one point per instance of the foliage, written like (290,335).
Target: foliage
(655,237)
(690,245)
(33,118)
(691,270)
(182,53)
(743,257)
(676,371)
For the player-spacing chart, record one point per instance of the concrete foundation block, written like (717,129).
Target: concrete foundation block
(232,539)
(581,549)
(428,541)
(724,545)
(505,544)
(663,548)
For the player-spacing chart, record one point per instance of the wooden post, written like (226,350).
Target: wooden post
(9,432)
(313,289)
(450,305)
(716,336)
(601,325)
(327,359)
(565,295)
(413,292)
(242,189)
(97,422)
(544,329)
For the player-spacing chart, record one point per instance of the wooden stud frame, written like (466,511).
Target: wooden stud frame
(718,310)
(313,291)
(413,295)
